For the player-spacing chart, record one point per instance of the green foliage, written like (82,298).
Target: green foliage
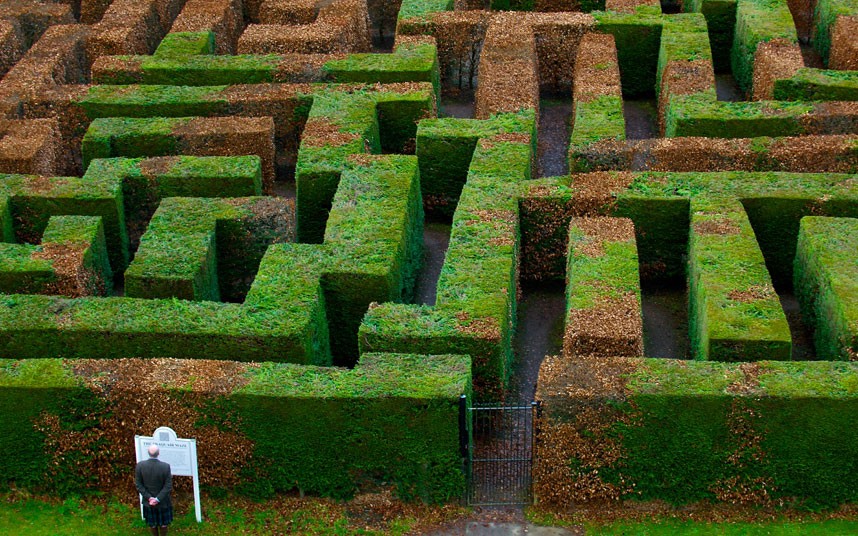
(590,278)
(700,114)
(154,101)
(688,429)
(29,389)
(186,44)
(410,62)
(422,9)
(188,59)
(374,240)
(818,85)
(393,418)
(445,148)
(721,22)
(638,38)
(356,116)
(599,119)
(825,15)
(683,38)
(189,237)
(758,21)
(475,307)
(826,283)
(734,312)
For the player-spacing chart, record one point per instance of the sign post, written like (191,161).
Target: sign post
(181,454)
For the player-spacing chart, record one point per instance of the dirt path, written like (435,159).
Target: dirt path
(539,333)
(436,238)
(641,117)
(665,317)
(553,137)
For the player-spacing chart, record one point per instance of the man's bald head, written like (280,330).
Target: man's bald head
(154,450)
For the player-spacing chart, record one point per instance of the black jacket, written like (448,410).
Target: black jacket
(154,479)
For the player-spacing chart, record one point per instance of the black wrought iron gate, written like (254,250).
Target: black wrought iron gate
(498,443)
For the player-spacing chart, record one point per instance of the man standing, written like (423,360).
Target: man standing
(154,482)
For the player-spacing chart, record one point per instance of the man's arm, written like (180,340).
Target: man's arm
(168,486)
(138,481)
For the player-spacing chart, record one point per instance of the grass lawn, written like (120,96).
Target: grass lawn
(37,517)
(367,515)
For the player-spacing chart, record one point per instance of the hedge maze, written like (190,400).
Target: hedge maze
(213,219)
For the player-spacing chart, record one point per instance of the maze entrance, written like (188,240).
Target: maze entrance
(500,454)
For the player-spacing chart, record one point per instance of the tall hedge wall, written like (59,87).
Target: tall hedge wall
(391,420)
(767,433)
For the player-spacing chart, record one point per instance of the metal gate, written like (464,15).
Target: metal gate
(500,453)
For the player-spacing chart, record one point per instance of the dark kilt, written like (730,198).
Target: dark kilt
(157,516)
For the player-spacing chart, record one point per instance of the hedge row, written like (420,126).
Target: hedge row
(345,123)
(684,61)
(659,205)
(475,308)
(597,97)
(764,433)
(393,419)
(188,59)
(603,290)
(445,148)
(191,136)
(734,312)
(721,23)
(207,249)
(72,248)
(818,85)
(702,115)
(371,253)
(638,39)
(826,284)
(758,21)
(799,154)
(826,16)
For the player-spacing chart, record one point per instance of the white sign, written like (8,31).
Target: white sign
(181,454)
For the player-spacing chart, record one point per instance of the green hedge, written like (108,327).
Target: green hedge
(684,38)
(445,148)
(475,306)
(826,283)
(599,281)
(29,389)
(374,243)
(409,62)
(22,270)
(721,23)
(734,311)
(391,420)
(700,114)
(638,38)
(758,21)
(419,12)
(372,252)
(658,203)
(825,16)
(356,119)
(143,182)
(818,85)
(599,119)
(787,431)
(394,418)
(206,249)
(188,59)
